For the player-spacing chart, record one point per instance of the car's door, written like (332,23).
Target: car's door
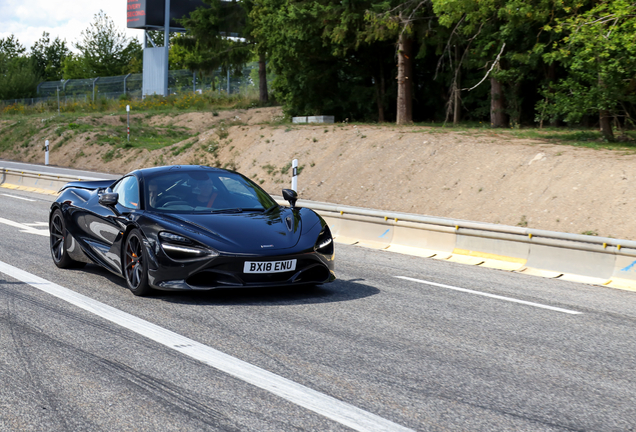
(105,225)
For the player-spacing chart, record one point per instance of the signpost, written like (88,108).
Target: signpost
(294,184)
(164,15)
(128,122)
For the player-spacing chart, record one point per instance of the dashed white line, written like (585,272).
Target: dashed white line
(26,228)
(495,296)
(328,406)
(18,197)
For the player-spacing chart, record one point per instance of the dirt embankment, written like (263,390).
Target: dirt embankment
(485,176)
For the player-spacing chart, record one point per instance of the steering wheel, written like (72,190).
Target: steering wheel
(165,199)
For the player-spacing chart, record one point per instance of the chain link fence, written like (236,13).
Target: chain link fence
(179,82)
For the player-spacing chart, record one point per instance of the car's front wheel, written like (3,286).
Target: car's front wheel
(57,234)
(135,264)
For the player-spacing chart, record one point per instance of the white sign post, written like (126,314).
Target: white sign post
(46,152)
(128,122)
(294,185)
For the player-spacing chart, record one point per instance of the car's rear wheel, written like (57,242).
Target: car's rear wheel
(57,234)
(135,264)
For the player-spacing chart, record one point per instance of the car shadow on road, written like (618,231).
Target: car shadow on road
(337,291)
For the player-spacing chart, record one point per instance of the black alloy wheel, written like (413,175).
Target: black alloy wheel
(135,268)
(57,234)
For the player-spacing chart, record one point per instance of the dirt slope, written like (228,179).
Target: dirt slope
(484,176)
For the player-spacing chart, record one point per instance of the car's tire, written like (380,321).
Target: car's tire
(135,264)
(57,234)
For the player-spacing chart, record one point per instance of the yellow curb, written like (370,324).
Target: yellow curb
(28,189)
(489,256)
(623,284)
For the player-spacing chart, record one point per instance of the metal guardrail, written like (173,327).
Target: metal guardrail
(574,257)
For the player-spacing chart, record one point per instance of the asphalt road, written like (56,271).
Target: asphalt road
(455,347)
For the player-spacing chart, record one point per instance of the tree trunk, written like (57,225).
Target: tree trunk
(262,80)
(456,99)
(554,121)
(404,79)
(379,95)
(606,125)
(604,117)
(497,114)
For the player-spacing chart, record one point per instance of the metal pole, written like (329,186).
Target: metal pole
(228,81)
(294,185)
(94,81)
(166,47)
(194,82)
(128,121)
(46,152)
(125,80)
(58,100)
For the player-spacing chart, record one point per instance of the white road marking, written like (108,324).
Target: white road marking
(18,197)
(495,296)
(25,228)
(317,402)
(37,224)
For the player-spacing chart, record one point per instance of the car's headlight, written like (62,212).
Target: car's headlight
(180,248)
(171,237)
(324,244)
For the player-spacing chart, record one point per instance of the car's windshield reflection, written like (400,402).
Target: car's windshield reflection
(205,192)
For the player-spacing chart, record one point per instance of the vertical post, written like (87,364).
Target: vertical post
(94,81)
(58,101)
(128,122)
(166,47)
(46,152)
(194,82)
(228,81)
(294,184)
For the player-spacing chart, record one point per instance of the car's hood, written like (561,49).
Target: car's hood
(248,231)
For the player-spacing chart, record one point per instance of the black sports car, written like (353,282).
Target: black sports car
(189,228)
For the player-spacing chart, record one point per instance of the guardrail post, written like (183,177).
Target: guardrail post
(94,81)
(126,79)
(294,184)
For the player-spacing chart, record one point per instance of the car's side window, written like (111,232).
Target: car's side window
(128,191)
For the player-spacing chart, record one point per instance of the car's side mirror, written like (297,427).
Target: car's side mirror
(291,196)
(108,198)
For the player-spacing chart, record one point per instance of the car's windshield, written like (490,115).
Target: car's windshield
(203,191)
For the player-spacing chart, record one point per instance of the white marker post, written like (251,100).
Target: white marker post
(295,175)
(46,152)
(128,122)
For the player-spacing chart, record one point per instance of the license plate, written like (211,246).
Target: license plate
(269,266)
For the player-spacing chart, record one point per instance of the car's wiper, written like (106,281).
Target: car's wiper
(228,210)
(241,210)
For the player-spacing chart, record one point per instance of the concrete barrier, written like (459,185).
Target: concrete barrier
(426,240)
(573,257)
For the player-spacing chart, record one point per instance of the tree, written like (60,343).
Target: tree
(597,46)
(211,40)
(17,77)
(104,51)
(48,57)
(398,20)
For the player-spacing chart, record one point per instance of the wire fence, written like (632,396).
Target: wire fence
(179,82)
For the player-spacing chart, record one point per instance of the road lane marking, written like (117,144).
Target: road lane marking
(25,228)
(18,197)
(495,296)
(298,394)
